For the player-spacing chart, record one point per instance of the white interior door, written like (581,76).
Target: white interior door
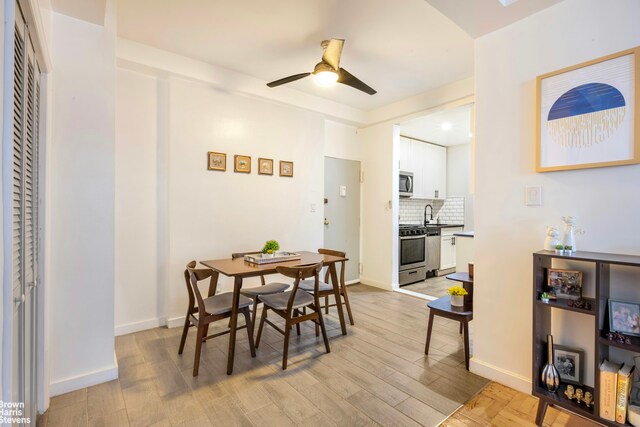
(342,211)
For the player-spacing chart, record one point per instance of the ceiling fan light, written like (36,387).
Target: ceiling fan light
(326,78)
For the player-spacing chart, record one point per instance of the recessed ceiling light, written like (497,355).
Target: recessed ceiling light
(446,126)
(506,3)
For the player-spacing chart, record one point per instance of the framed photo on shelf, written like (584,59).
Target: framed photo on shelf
(624,317)
(569,363)
(216,161)
(286,168)
(265,166)
(565,283)
(587,114)
(242,164)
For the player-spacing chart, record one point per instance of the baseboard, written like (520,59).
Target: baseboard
(352,282)
(174,322)
(129,328)
(65,385)
(415,294)
(375,284)
(500,375)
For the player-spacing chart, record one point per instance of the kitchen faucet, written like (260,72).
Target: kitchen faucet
(425,214)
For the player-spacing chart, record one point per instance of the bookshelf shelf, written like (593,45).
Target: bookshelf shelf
(542,261)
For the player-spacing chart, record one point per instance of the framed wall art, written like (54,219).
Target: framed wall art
(286,168)
(588,114)
(569,363)
(624,317)
(565,283)
(265,166)
(242,164)
(216,161)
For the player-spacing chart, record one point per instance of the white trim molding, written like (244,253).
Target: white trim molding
(375,283)
(500,375)
(65,385)
(129,328)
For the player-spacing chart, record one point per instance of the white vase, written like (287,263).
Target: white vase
(457,300)
(569,238)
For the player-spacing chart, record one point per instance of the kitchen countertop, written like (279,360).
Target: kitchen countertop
(445,225)
(464,234)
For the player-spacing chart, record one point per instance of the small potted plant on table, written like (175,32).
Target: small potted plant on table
(457,295)
(559,249)
(270,248)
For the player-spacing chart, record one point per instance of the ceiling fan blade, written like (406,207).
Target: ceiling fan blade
(332,53)
(288,79)
(346,78)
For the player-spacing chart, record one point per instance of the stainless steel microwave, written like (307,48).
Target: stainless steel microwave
(406,184)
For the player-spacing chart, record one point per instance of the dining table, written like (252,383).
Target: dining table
(240,269)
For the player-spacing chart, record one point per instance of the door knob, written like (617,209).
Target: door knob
(326,221)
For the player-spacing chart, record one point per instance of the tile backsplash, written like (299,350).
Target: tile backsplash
(450,211)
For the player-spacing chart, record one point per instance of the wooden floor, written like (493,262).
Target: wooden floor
(433,286)
(376,375)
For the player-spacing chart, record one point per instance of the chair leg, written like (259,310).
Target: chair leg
(264,316)
(196,362)
(466,344)
(324,331)
(185,331)
(426,347)
(346,303)
(247,319)
(255,310)
(297,313)
(326,304)
(285,351)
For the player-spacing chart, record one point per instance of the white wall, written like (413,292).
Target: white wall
(341,141)
(604,200)
(458,178)
(139,303)
(82,204)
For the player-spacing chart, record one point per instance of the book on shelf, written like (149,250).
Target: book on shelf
(608,384)
(625,378)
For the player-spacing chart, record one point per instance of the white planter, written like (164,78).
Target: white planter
(457,300)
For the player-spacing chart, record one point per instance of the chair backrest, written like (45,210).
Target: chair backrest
(192,276)
(300,273)
(342,263)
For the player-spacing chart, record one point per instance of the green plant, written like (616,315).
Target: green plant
(559,247)
(270,247)
(457,291)
(545,295)
(568,248)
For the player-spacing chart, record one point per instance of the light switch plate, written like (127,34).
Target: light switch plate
(533,196)
(343,191)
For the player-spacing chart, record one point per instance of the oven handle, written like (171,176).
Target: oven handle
(412,237)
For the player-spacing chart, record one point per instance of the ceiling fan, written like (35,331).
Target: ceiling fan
(328,70)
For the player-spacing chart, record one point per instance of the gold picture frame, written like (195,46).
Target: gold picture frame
(286,168)
(583,117)
(216,161)
(265,166)
(241,164)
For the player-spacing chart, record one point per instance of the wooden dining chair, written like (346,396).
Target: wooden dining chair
(203,311)
(288,305)
(265,289)
(326,289)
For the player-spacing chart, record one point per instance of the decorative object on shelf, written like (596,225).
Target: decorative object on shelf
(216,161)
(545,296)
(619,338)
(569,363)
(579,303)
(559,249)
(585,114)
(579,395)
(570,392)
(565,283)
(569,238)
(242,164)
(265,166)
(270,247)
(457,295)
(624,317)
(553,238)
(286,168)
(568,250)
(633,415)
(588,399)
(550,376)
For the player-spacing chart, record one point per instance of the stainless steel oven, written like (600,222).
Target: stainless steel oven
(406,184)
(412,254)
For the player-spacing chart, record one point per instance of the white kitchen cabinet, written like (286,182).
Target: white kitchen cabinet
(448,248)
(405,154)
(428,162)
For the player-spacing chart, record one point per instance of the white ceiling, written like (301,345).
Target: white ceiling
(429,128)
(87,10)
(400,48)
(480,17)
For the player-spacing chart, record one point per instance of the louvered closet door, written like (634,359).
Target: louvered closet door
(25,216)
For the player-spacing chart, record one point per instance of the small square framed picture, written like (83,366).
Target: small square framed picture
(624,317)
(565,283)
(242,164)
(286,168)
(216,161)
(569,363)
(265,166)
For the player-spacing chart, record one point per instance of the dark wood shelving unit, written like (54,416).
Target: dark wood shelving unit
(542,261)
